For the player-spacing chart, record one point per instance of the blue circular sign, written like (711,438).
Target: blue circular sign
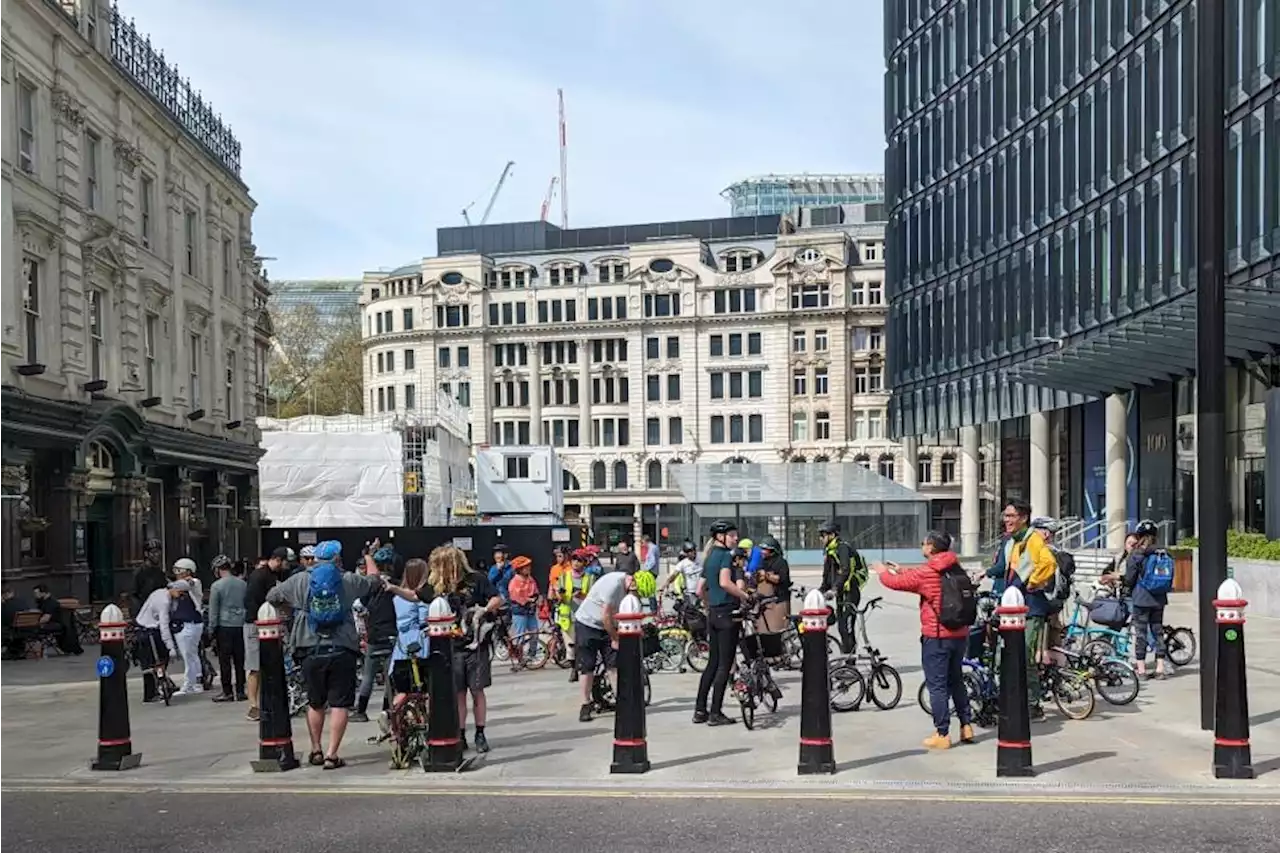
(106,667)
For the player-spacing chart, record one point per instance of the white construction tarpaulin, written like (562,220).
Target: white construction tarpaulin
(332,479)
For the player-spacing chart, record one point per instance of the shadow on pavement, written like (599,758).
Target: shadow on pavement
(1264,767)
(526,718)
(1260,719)
(694,759)
(1074,761)
(873,760)
(512,759)
(534,738)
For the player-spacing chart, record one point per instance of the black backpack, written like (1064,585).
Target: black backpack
(959,605)
(1065,575)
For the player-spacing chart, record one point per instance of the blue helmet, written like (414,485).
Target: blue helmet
(328,550)
(385,554)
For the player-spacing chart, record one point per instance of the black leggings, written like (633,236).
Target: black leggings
(723,643)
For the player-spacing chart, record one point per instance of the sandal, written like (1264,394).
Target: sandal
(316,758)
(334,763)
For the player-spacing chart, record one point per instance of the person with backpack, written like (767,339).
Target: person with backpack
(948,607)
(326,632)
(1149,578)
(1058,591)
(844,574)
(380,632)
(1030,566)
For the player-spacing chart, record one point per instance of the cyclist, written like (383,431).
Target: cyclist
(596,630)
(723,592)
(410,616)
(774,579)
(380,632)
(683,579)
(500,573)
(844,573)
(1030,566)
(568,593)
(1148,605)
(522,590)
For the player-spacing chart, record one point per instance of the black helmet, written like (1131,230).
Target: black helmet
(1146,527)
(829,527)
(719,528)
(688,547)
(740,553)
(499,547)
(770,543)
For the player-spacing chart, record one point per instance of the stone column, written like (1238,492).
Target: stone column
(1056,421)
(535,393)
(1041,484)
(69,500)
(1117,423)
(183,492)
(130,509)
(970,529)
(910,462)
(584,393)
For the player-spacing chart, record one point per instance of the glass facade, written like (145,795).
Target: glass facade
(1040,174)
(332,300)
(778,194)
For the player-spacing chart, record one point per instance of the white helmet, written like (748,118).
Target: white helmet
(308,551)
(185,565)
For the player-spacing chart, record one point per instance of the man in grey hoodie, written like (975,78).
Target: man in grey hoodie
(226,625)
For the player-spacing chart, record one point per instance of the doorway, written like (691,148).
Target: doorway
(98,553)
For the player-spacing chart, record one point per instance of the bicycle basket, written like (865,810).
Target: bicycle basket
(771,645)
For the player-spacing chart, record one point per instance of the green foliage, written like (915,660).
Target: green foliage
(1244,546)
(316,364)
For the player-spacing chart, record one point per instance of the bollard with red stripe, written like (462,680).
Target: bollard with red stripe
(817,754)
(275,731)
(1232,757)
(630,749)
(444,737)
(1013,738)
(115,745)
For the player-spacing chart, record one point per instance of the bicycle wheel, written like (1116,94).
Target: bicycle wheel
(1073,695)
(833,647)
(501,651)
(166,687)
(648,690)
(922,699)
(793,654)
(746,699)
(848,687)
(696,653)
(1099,650)
(885,687)
(530,651)
(559,651)
(1180,644)
(1117,681)
(672,653)
(767,687)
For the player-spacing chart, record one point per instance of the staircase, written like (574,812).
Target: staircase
(1090,563)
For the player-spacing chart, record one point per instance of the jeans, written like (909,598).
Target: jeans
(1148,622)
(525,623)
(942,660)
(188,640)
(723,643)
(375,660)
(231,654)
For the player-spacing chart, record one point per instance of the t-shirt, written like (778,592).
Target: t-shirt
(50,607)
(255,592)
(719,558)
(476,592)
(608,591)
(627,563)
(688,572)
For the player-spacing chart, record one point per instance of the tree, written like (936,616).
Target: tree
(315,366)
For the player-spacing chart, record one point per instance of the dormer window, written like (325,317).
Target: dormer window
(612,271)
(451,278)
(741,260)
(375,293)
(567,274)
(808,256)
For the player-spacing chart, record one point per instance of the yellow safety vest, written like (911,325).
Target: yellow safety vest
(564,613)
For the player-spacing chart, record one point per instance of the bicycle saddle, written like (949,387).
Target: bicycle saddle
(412,649)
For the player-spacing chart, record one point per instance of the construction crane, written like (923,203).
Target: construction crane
(564,165)
(546,201)
(466,216)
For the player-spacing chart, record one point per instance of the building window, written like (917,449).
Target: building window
(391,398)
(26,127)
(886,466)
(408,359)
(875,379)
(146,197)
(673,387)
(452,316)
(189,235)
(822,426)
(755,343)
(876,342)
(799,426)
(598,476)
(230,386)
(810,296)
(92,173)
(652,431)
(736,300)
(464,394)
(859,380)
(227,287)
(517,467)
(735,345)
(716,344)
(875,425)
(948,469)
(407,317)
(675,430)
(799,382)
(820,343)
(443,357)
(820,382)
(798,342)
(149,352)
(857,294)
(653,474)
(924,470)
(740,261)
(860,426)
(620,474)
(97,344)
(755,428)
(717,429)
(651,348)
(411,396)
(673,347)
(736,432)
(875,293)
(391,361)
(653,388)
(197,346)
(864,460)
(661,305)
(464,356)
(382,399)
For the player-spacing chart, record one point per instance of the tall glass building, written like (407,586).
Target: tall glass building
(1041,246)
(767,195)
(332,298)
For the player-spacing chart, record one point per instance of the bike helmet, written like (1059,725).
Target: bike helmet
(719,528)
(740,553)
(581,555)
(499,548)
(220,562)
(770,543)
(185,565)
(328,550)
(1146,527)
(384,555)
(307,551)
(829,527)
(520,562)
(1044,522)
(688,547)
(745,544)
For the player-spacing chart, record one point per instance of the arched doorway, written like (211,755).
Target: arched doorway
(98,545)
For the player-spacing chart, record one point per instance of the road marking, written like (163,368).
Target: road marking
(1227,798)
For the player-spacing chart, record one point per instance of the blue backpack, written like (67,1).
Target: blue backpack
(1157,573)
(325,608)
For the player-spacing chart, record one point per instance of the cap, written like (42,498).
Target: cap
(499,547)
(289,554)
(328,549)
(185,564)
(180,585)
(281,553)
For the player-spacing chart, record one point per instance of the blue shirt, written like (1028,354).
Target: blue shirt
(500,577)
(410,617)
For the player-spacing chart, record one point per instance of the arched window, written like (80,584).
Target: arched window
(620,475)
(948,467)
(671,473)
(571,483)
(863,459)
(100,459)
(598,476)
(737,460)
(818,459)
(653,474)
(886,466)
(798,460)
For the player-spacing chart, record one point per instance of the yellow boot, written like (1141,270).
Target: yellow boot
(937,741)
(966,734)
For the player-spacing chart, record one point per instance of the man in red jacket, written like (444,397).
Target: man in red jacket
(942,649)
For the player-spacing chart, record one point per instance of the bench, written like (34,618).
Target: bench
(26,628)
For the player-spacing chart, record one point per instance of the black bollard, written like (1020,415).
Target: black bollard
(115,745)
(1232,757)
(630,749)
(817,754)
(444,740)
(1013,738)
(275,731)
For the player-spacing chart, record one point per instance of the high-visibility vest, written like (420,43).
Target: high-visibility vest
(564,613)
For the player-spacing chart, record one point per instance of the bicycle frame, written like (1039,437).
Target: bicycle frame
(1082,630)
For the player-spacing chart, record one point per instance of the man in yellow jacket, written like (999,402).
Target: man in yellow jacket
(1030,566)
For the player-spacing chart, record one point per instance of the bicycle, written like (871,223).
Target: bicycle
(884,684)
(982,689)
(557,649)
(527,650)
(1179,640)
(407,722)
(753,682)
(688,628)
(1115,680)
(1065,687)
(603,698)
(166,688)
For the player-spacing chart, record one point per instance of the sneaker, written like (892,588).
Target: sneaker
(191,689)
(584,713)
(1036,713)
(358,717)
(719,719)
(937,741)
(699,717)
(224,697)
(253,716)
(966,734)
(482,742)
(242,696)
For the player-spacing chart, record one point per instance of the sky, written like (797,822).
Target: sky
(366,126)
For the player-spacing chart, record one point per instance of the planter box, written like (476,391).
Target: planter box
(1260,580)
(1184,569)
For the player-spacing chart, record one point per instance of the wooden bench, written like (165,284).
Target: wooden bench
(26,627)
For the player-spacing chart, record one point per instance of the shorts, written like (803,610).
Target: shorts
(402,676)
(589,645)
(472,669)
(251,647)
(330,677)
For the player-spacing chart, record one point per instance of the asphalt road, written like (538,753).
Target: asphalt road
(59,822)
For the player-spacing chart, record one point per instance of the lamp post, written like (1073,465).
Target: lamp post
(1211,449)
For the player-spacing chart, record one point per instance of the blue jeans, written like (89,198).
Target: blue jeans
(943,660)
(522,623)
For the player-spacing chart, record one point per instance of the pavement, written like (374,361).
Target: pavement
(143,823)
(1155,748)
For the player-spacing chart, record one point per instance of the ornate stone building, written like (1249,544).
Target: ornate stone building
(134,323)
